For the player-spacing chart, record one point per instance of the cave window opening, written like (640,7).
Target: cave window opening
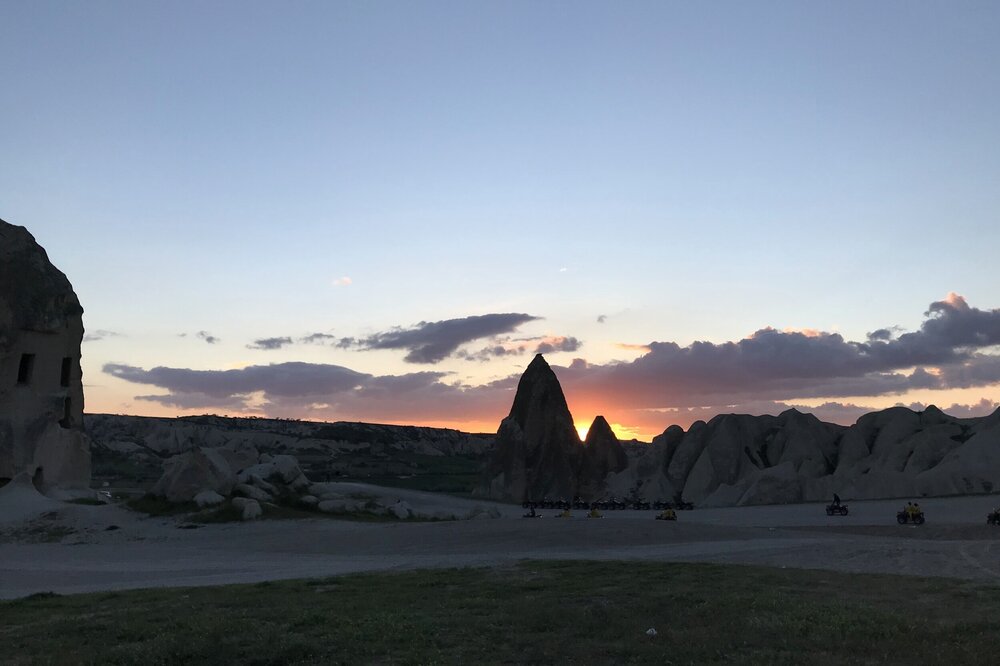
(67,419)
(67,369)
(25,369)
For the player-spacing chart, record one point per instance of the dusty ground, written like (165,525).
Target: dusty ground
(73,548)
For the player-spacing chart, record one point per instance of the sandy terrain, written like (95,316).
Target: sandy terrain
(85,555)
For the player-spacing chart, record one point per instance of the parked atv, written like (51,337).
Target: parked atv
(914,517)
(667,514)
(836,509)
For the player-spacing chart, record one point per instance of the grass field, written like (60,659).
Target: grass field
(537,612)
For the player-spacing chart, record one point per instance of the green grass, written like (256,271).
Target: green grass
(537,612)
(453,475)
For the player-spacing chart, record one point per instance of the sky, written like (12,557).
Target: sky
(380,211)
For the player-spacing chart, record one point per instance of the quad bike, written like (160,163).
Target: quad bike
(903,517)
(667,514)
(993,518)
(836,509)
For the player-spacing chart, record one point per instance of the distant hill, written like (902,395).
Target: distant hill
(128,451)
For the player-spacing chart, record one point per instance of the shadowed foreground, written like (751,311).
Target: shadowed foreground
(534,612)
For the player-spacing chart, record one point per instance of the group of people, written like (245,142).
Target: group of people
(912,509)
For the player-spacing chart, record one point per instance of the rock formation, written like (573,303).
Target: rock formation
(252,484)
(41,388)
(738,459)
(538,452)
(602,455)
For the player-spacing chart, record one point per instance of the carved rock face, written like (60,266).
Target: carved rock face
(538,451)
(41,384)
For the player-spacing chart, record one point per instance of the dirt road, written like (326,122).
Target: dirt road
(155,552)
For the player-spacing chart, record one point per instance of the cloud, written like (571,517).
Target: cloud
(318,339)
(270,343)
(766,372)
(100,334)
(206,336)
(310,390)
(632,347)
(501,347)
(343,282)
(948,351)
(293,379)
(432,342)
(557,344)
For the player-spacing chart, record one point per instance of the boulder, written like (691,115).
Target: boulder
(401,510)
(208,498)
(249,508)
(247,490)
(277,475)
(187,474)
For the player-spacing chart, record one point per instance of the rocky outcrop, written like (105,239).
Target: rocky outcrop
(738,459)
(187,475)
(252,484)
(325,451)
(41,388)
(538,452)
(602,455)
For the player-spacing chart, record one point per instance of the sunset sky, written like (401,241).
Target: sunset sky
(380,211)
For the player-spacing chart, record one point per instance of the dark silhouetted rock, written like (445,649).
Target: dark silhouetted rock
(41,388)
(602,455)
(538,451)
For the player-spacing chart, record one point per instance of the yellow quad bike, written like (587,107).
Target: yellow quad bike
(908,515)
(564,514)
(667,514)
(594,513)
